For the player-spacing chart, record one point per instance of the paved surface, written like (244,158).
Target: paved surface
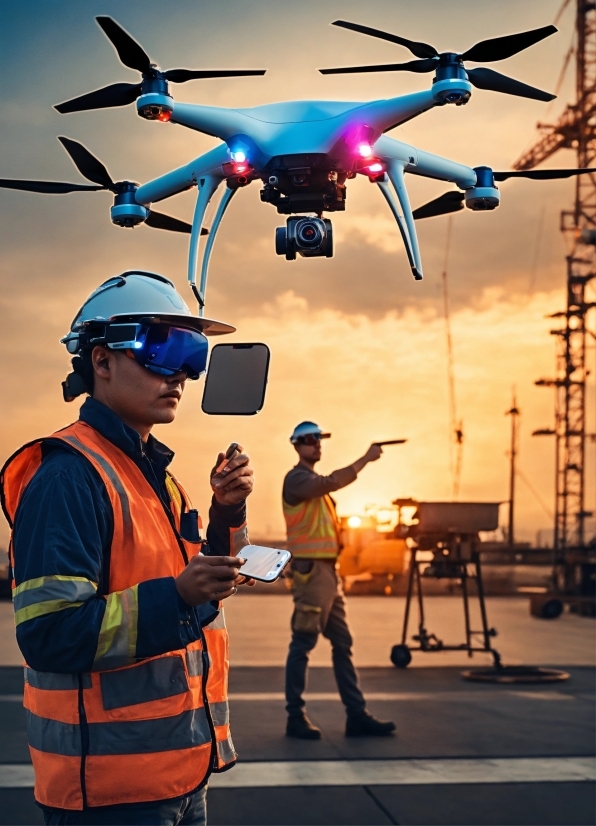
(465,753)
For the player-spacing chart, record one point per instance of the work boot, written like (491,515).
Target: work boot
(365,725)
(302,728)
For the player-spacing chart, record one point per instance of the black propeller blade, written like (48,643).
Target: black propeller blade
(483,78)
(46,187)
(118,94)
(453,201)
(133,55)
(420,66)
(443,205)
(497,48)
(158,220)
(93,169)
(87,164)
(542,174)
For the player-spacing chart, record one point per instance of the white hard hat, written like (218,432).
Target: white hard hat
(136,295)
(307,429)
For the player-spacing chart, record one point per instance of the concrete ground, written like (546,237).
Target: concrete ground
(465,753)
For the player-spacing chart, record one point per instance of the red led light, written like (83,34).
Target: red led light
(365,150)
(164,117)
(375,167)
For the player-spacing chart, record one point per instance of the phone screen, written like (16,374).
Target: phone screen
(264,564)
(236,379)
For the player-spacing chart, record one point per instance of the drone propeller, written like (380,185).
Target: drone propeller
(133,56)
(487,51)
(454,201)
(93,169)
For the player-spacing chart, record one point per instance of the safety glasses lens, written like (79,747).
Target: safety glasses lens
(168,350)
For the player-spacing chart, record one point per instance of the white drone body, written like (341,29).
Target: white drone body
(265,142)
(302,152)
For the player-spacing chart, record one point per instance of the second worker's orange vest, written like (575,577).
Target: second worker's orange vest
(130,730)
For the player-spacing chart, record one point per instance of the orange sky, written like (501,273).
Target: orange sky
(356,344)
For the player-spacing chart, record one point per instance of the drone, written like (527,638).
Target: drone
(302,152)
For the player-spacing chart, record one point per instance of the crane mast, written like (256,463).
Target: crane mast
(576,130)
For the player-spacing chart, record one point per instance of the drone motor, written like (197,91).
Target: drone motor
(309,237)
(126,212)
(485,195)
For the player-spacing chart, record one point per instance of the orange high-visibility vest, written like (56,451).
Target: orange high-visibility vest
(130,730)
(313,528)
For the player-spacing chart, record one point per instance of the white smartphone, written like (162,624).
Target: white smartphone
(264,564)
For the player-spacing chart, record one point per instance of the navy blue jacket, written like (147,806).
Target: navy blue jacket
(64,525)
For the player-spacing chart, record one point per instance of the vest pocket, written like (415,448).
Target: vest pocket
(142,683)
(306,619)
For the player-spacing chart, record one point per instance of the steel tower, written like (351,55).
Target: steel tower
(575,129)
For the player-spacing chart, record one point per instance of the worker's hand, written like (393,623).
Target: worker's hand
(373,453)
(209,578)
(246,580)
(235,482)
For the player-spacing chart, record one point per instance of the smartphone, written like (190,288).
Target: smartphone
(264,564)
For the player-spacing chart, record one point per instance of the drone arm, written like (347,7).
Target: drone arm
(383,115)
(395,170)
(221,208)
(433,166)
(183,178)
(393,206)
(418,162)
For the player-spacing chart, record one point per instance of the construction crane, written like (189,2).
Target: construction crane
(576,130)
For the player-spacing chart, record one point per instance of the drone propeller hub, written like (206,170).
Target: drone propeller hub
(126,212)
(482,198)
(451,85)
(155,105)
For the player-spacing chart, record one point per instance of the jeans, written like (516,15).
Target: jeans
(186,811)
(320,607)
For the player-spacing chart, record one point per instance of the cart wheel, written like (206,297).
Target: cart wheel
(400,656)
(552,609)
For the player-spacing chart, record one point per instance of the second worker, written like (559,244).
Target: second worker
(319,603)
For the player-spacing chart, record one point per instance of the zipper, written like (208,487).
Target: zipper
(205,677)
(84,728)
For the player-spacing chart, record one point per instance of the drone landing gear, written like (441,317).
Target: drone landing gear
(401,655)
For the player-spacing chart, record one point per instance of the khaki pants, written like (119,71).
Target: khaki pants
(320,608)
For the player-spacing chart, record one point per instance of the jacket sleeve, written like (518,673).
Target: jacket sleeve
(61,539)
(227,532)
(301,483)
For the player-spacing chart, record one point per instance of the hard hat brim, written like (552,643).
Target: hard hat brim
(207,326)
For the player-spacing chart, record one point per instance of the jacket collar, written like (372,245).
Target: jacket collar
(111,427)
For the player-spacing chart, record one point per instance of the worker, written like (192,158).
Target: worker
(319,603)
(117,601)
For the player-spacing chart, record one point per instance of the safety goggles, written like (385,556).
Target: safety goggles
(161,348)
(311,439)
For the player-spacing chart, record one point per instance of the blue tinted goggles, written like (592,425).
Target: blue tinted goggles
(163,349)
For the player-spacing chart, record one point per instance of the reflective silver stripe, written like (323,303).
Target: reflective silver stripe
(183,731)
(51,681)
(218,622)
(69,590)
(194,663)
(112,476)
(220,713)
(226,751)
(152,680)
(53,736)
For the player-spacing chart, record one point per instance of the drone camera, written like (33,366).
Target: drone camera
(309,237)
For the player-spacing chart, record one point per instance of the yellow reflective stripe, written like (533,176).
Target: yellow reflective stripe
(174,492)
(42,580)
(40,609)
(117,643)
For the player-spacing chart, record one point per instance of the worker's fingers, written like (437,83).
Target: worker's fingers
(222,482)
(230,561)
(233,467)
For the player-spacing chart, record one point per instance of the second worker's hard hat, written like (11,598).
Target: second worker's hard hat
(307,429)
